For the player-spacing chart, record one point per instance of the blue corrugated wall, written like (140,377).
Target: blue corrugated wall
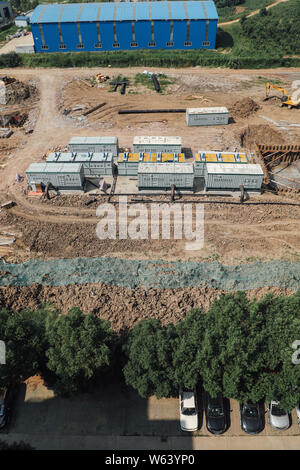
(88,30)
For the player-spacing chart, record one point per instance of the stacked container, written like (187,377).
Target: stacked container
(94,144)
(157,176)
(66,176)
(203,157)
(230,177)
(157,144)
(94,164)
(128,162)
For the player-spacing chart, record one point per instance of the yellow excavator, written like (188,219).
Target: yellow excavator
(286,100)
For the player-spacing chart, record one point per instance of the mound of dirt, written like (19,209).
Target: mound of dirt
(16,92)
(122,307)
(243,108)
(260,134)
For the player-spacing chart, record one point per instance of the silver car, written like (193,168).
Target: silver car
(188,410)
(278,418)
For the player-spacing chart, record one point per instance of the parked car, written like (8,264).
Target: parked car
(278,418)
(188,410)
(252,420)
(6,400)
(298,413)
(215,415)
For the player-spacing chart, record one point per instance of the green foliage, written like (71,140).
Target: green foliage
(276,29)
(150,350)
(24,337)
(10,60)
(80,350)
(186,359)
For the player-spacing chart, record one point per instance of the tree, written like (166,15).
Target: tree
(24,337)
(150,349)
(80,350)
(186,360)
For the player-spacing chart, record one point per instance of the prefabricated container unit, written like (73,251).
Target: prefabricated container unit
(207,116)
(155,144)
(203,157)
(22,21)
(94,164)
(94,144)
(65,176)
(25,49)
(157,176)
(128,162)
(113,26)
(221,176)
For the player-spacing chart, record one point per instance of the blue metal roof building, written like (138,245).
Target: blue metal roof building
(125,26)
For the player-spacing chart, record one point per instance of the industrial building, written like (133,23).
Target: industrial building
(155,144)
(204,157)
(95,165)
(125,26)
(207,116)
(157,176)
(128,162)
(94,144)
(220,176)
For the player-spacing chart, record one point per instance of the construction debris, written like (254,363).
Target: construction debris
(98,78)
(5,132)
(244,108)
(8,205)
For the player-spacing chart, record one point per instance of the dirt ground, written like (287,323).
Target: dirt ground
(122,307)
(65,227)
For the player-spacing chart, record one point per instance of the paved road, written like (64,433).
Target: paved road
(114,417)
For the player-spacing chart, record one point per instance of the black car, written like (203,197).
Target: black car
(6,399)
(215,414)
(252,419)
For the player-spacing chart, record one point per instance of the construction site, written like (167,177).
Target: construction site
(243,225)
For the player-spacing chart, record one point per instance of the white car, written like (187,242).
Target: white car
(278,418)
(188,410)
(298,413)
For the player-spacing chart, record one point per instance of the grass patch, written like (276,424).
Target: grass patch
(146,81)
(230,13)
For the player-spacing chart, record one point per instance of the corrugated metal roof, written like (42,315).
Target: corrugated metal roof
(94,140)
(124,11)
(233,169)
(79,157)
(54,168)
(156,140)
(185,168)
(212,110)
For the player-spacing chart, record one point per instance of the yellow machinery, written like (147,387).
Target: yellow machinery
(287,100)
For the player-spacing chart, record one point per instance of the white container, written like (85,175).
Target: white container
(230,177)
(157,144)
(207,116)
(94,144)
(158,176)
(67,176)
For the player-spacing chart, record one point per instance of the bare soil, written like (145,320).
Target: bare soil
(64,227)
(122,307)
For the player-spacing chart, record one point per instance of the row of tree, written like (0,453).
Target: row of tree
(241,348)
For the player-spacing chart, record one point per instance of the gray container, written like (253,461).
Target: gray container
(221,176)
(25,49)
(66,176)
(207,116)
(158,176)
(157,144)
(94,164)
(94,144)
